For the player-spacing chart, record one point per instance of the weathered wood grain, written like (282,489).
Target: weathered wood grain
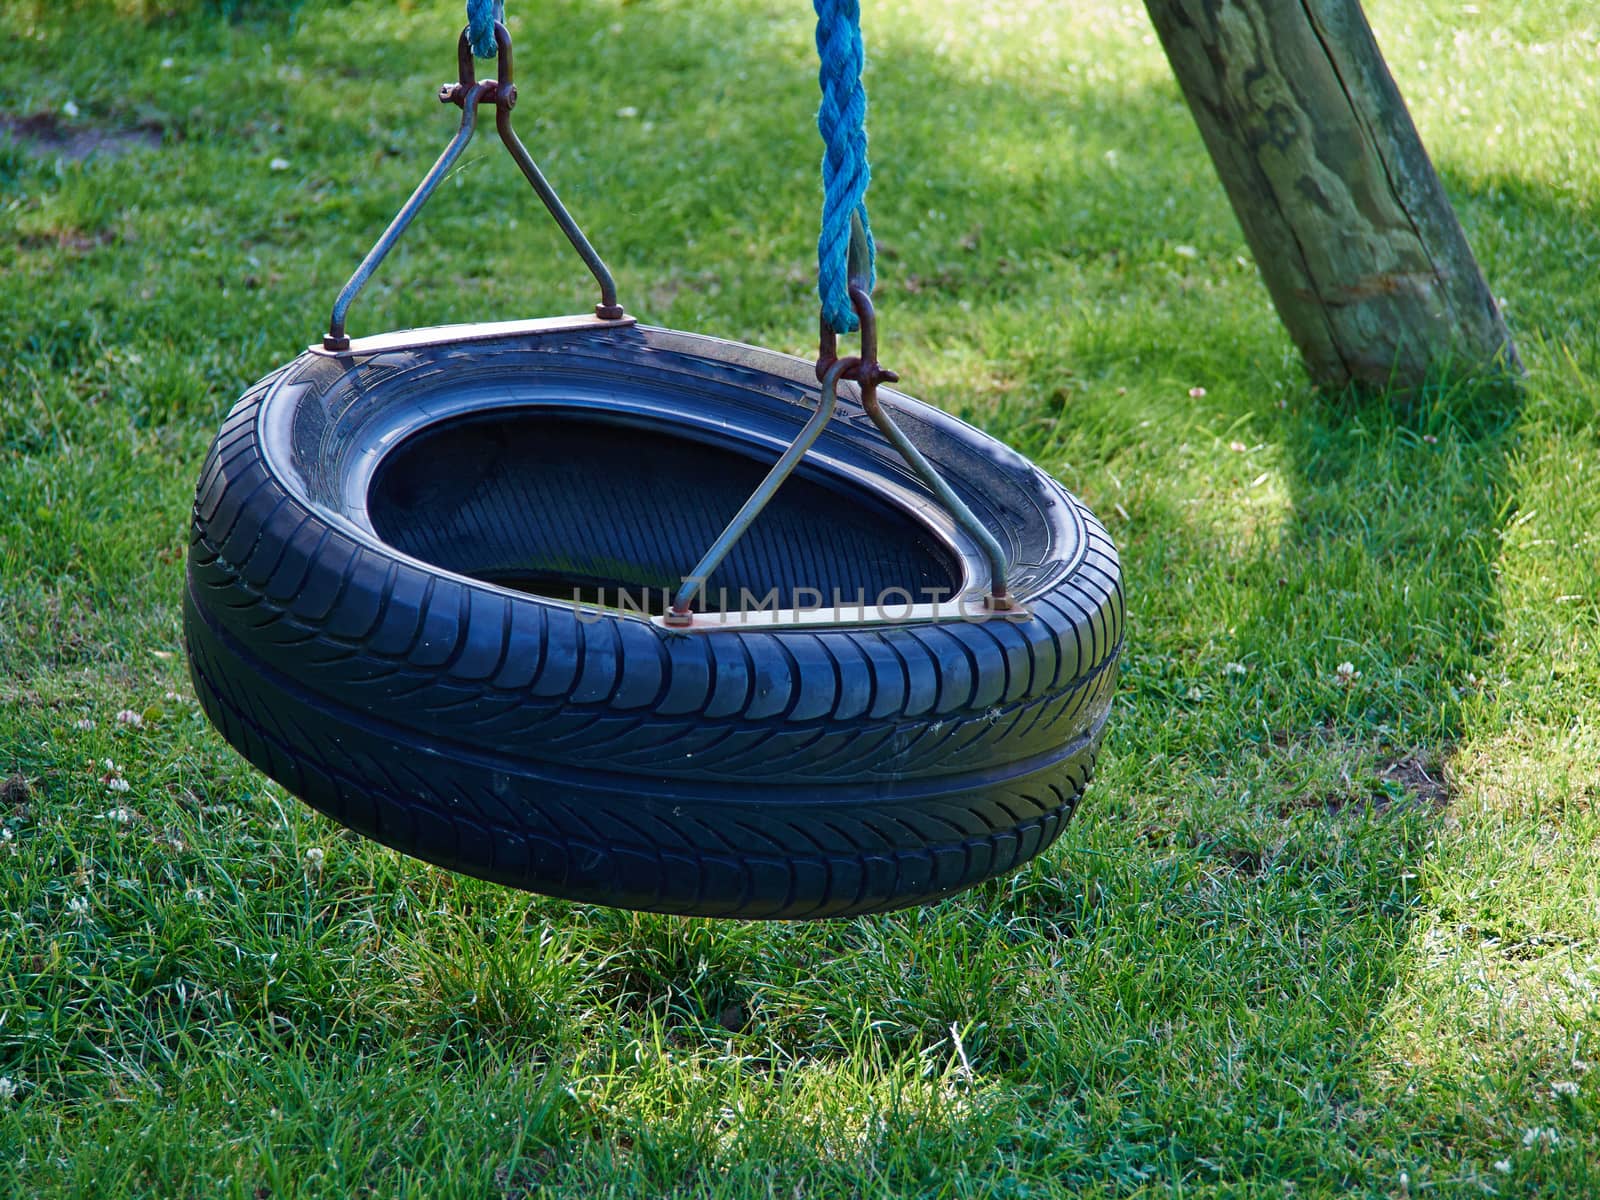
(1349,224)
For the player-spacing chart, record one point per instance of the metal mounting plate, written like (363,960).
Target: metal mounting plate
(482,331)
(969,607)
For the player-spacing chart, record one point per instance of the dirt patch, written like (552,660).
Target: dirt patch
(1413,780)
(45,135)
(15,792)
(1422,777)
(1243,861)
(72,240)
(1320,769)
(526,1180)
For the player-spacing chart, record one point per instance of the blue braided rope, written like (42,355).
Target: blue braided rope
(481,16)
(842,121)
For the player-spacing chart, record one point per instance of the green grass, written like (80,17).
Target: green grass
(1343,933)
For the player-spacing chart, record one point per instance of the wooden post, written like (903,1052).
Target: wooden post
(1344,213)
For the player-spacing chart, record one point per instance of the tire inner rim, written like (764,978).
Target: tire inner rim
(611,512)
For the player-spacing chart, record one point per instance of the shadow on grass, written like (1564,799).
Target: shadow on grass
(1209,956)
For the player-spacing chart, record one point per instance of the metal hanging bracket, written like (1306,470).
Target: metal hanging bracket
(868,373)
(468,92)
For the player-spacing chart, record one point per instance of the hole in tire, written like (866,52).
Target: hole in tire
(614,513)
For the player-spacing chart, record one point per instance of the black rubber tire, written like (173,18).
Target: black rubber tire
(774,773)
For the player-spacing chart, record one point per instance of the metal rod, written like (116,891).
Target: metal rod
(335,338)
(963,516)
(681,611)
(959,512)
(608,308)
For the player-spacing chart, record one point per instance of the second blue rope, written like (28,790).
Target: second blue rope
(842,121)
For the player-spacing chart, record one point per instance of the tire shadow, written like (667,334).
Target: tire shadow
(1213,944)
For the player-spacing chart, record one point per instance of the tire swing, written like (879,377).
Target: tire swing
(436,587)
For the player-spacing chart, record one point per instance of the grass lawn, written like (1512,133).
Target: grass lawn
(1334,928)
